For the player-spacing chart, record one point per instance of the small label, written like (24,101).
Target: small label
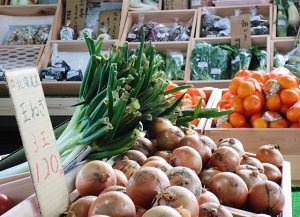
(1,73)
(271,87)
(202,64)
(221,120)
(236,59)
(215,71)
(49,77)
(66,33)
(281,22)
(131,35)
(271,116)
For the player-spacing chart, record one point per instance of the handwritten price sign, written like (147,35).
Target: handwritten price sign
(38,140)
(241,31)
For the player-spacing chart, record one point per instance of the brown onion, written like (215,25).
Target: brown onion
(118,188)
(226,159)
(233,143)
(157,125)
(266,197)
(230,189)
(252,161)
(178,196)
(121,178)
(163,166)
(80,207)
(207,197)
(193,140)
(144,145)
(272,172)
(168,139)
(213,210)
(135,155)
(207,174)
(249,177)
(188,157)
(140,211)
(187,178)
(112,204)
(94,177)
(128,167)
(270,154)
(161,211)
(145,184)
(206,140)
(165,154)
(155,158)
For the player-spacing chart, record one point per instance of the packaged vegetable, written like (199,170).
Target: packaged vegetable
(2,78)
(241,58)
(175,65)
(104,34)
(134,33)
(259,24)
(259,59)
(23,2)
(66,32)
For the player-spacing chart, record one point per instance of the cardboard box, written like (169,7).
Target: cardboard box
(253,138)
(226,11)
(165,17)
(176,4)
(263,42)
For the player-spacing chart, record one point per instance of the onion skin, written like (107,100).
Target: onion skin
(207,174)
(230,189)
(155,158)
(226,159)
(80,207)
(266,197)
(213,210)
(113,203)
(157,125)
(128,167)
(270,154)
(94,177)
(252,161)
(163,166)
(272,172)
(145,184)
(207,197)
(206,140)
(233,143)
(140,211)
(144,145)
(165,154)
(135,155)
(161,211)
(188,157)
(168,139)
(121,178)
(118,188)
(185,177)
(178,196)
(249,177)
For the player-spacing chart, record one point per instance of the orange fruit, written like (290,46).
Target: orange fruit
(222,103)
(252,104)
(273,102)
(237,120)
(234,84)
(293,114)
(282,123)
(284,108)
(237,104)
(261,96)
(226,95)
(289,96)
(257,76)
(254,116)
(287,81)
(193,91)
(260,123)
(243,73)
(266,76)
(225,125)
(295,125)
(245,89)
(195,122)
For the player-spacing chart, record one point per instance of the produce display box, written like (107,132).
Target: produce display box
(72,50)
(165,17)
(263,43)
(239,2)
(226,11)
(253,138)
(60,16)
(283,46)
(27,203)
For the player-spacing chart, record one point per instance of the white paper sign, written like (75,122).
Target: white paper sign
(38,140)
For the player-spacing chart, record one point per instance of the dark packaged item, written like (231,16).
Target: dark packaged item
(74,75)
(2,78)
(51,74)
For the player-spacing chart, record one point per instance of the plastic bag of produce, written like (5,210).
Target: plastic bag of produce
(175,64)
(23,2)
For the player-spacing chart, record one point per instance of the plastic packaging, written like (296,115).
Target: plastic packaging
(104,34)
(67,33)
(23,2)
(134,33)
(175,65)
(2,77)
(259,24)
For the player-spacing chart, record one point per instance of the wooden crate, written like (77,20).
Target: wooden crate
(166,16)
(283,46)
(27,205)
(225,11)
(263,42)
(60,16)
(253,138)
(65,88)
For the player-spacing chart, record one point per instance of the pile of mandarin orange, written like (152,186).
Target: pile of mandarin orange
(270,100)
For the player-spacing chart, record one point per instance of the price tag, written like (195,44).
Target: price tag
(241,31)
(38,140)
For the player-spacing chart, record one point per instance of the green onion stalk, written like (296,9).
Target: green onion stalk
(120,94)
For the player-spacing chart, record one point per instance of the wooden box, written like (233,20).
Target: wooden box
(165,17)
(253,138)
(27,205)
(261,41)
(227,11)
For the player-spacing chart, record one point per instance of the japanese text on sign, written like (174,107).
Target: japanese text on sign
(38,140)
(240,31)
